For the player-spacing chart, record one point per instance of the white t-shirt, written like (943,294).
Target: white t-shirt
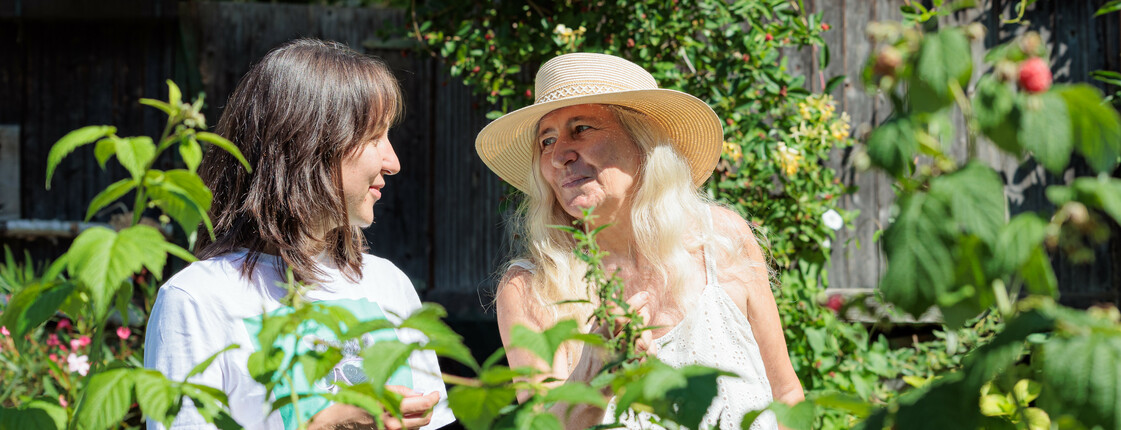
(209,305)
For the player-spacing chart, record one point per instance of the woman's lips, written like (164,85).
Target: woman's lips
(575,182)
(376,191)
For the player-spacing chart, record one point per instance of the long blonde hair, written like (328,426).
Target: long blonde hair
(666,207)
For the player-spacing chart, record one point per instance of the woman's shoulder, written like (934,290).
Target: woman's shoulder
(728,223)
(514,301)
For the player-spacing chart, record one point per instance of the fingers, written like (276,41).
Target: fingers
(419,405)
(402,390)
(416,409)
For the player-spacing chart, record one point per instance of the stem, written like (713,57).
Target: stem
(1002,302)
(295,401)
(459,380)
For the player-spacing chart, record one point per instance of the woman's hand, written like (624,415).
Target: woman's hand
(415,409)
(637,304)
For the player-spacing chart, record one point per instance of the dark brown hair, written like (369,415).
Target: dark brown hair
(295,115)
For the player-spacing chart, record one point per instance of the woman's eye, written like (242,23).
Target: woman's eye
(548,141)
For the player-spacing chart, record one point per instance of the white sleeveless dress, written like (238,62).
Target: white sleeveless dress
(715,333)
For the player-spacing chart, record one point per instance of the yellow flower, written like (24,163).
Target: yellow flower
(789,159)
(733,151)
(804,111)
(840,128)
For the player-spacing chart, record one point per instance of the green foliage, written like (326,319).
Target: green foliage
(951,246)
(731,54)
(96,276)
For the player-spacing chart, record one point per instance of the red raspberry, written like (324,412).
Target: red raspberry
(824,27)
(769,37)
(528,93)
(746,57)
(630,43)
(475,70)
(729,121)
(782,91)
(1035,75)
(835,302)
(488,36)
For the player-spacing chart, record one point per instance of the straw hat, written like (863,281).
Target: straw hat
(506,145)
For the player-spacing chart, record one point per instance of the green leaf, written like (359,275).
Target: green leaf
(158,397)
(226,145)
(1045,130)
(317,365)
(104,149)
(477,407)
(32,306)
(976,197)
(1016,240)
(201,367)
(109,195)
(920,265)
(943,60)
(35,414)
(1026,391)
(576,393)
(441,338)
(182,195)
(1098,193)
(998,115)
(72,141)
(995,405)
(1110,7)
(101,259)
(1095,126)
(842,401)
(166,108)
(797,417)
(361,395)
(544,344)
(1039,275)
(191,152)
(1082,376)
(106,399)
(136,154)
(383,358)
(892,146)
(174,96)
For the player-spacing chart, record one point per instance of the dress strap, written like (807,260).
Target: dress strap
(710,264)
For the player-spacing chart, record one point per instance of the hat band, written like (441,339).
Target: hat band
(578,90)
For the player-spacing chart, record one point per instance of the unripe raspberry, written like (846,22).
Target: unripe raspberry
(1035,76)
(887,61)
(1030,43)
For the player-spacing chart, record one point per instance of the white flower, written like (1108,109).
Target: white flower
(78,363)
(832,219)
(826,244)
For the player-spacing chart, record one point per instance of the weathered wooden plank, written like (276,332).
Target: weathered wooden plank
(9,172)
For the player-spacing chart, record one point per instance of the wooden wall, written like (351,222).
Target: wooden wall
(439,219)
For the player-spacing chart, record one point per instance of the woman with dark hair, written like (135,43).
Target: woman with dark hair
(312,119)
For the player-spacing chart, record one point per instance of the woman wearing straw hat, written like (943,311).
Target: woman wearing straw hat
(602,134)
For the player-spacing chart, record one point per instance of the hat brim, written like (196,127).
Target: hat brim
(506,144)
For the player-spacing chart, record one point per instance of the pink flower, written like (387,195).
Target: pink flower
(123,332)
(63,325)
(53,357)
(4,331)
(84,340)
(75,344)
(62,401)
(52,340)
(78,363)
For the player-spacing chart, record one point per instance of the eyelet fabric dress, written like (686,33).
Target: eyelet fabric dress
(715,333)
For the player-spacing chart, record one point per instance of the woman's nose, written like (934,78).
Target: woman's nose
(563,153)
(389,164)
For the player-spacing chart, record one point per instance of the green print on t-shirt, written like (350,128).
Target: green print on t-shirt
(348,371)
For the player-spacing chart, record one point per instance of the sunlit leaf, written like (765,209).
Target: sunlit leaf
(477,407)
(105,400)
(182,196)
(158,397)
(920,264)
(109,195)
(576,393)
(1095,126)
(1045,129)
(72,141)
(976,197)
(997,114)
(943,60)
(135,154)
(892,146)
(226,145)
(1082,375)
(383,358)
(32,306)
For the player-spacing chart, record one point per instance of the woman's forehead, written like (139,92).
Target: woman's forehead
(567,113)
